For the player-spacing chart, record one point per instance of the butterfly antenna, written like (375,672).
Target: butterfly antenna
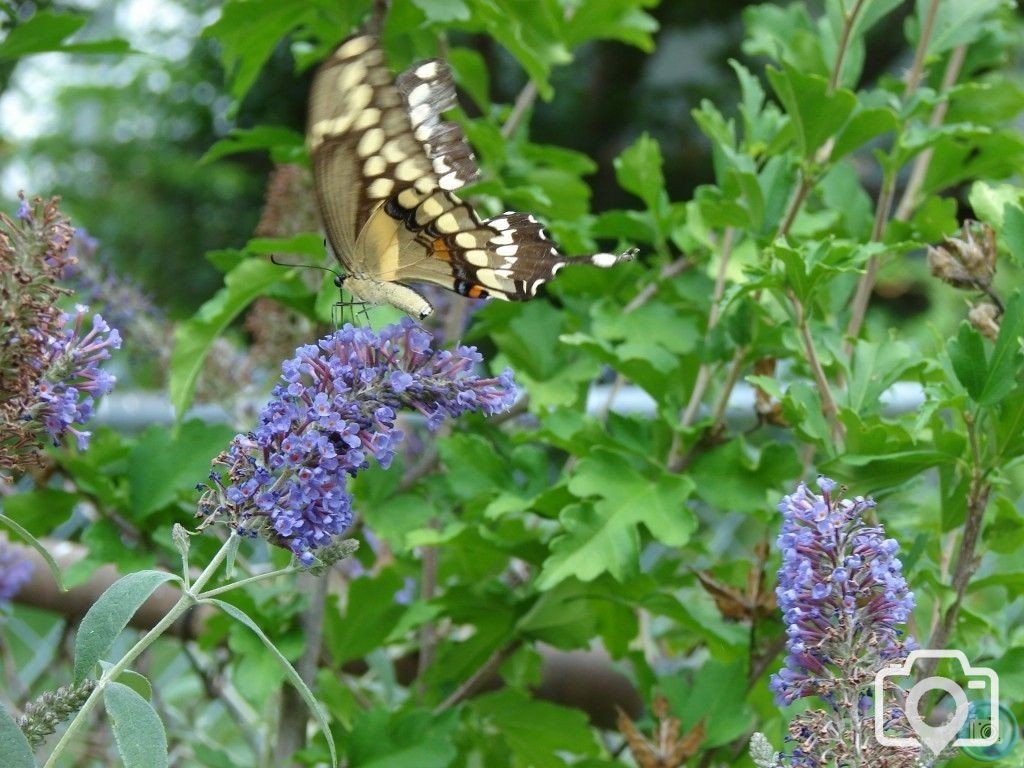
(339,278)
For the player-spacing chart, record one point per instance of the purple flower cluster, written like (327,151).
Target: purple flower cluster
(842,595)
(71,377)
(15,570)
(335,406)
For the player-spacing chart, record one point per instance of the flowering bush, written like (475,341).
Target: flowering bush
(834,289)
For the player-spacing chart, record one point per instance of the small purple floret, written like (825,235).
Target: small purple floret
(336,405)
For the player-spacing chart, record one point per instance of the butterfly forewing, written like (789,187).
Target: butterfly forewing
(386,166)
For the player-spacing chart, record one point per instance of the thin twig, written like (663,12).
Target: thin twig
(828,403)
(523,103)
(472,684)
(294,718)
(966,562)
(908,200)
(844,45)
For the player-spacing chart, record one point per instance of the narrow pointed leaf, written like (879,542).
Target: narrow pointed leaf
(110,615)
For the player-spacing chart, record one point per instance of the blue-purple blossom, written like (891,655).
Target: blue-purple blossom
(15,570)
(334,407)
(844,600)
(841,592)
(71,378)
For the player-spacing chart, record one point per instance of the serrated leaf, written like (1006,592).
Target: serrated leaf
(817,114)
(141,740)
(638,170)
(31,541)
(110,614)
(536,730)
(293,677)
(603,536)
(194,337)
(370,615)
(248,32)
(874,368)
(14,747)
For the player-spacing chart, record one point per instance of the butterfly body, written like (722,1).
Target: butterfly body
(386,169)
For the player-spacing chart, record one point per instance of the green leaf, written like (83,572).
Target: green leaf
(165,462)
(623,20)
(47,31)
(874,368)
(471,74)
(603,536)
(193,338)
(967,354)
(370,615)
(248,32)
(293,677)
(140,736)
(383,739)
(536,731)
(284,144)
(638,170)
(138,683)
(110,614)
(443,11)
(1006,362)
(817,114)
(865,125)
(14,746)
(44,31)
(31,541)
(956,22)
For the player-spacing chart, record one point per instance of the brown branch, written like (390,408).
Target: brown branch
(966,561)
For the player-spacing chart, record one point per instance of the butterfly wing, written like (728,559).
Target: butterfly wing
(386,167)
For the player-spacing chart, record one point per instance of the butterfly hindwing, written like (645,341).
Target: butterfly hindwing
(386,167)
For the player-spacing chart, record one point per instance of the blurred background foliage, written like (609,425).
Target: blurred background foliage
(122,135)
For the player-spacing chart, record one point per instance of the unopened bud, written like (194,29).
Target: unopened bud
(985,319)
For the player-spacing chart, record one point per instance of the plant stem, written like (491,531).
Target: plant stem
(966,562)
(844,45)
(187,600)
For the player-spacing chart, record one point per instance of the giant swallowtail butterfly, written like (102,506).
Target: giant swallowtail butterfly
(386,168)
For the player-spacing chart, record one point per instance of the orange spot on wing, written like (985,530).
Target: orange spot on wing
(476,292)
(441,250)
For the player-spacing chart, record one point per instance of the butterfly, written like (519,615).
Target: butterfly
(386,168)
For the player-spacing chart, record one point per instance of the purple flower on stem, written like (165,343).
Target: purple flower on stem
(841,592)
(844,600)
(334,407)
(71,378)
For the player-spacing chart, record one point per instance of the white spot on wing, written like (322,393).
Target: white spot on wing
(506,250)
(393,151)
(604,260)
(420,113)
(419,94)
(465,240)
(499,224)
(447,223)
(374,166)
(409,170)
(351,75)
(380,188)
(366,119)
(358,98)
(450,181)
(370,142)
(477,258)
(354,47)
(427,71)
